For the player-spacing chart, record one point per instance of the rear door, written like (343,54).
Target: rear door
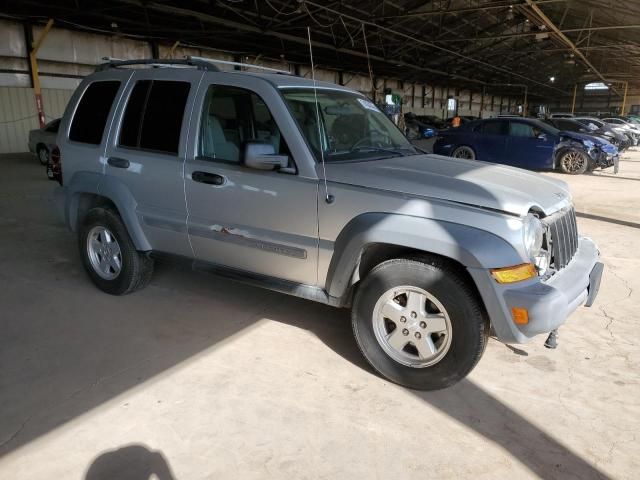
(146,152)
(490,140)
(529,146)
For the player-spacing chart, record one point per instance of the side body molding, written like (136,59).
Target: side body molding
(472,247)
(112,189)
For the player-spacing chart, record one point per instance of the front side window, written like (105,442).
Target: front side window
(345,126)
(153,117)
(91,114)
(232,117)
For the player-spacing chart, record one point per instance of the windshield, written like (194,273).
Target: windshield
(351,127)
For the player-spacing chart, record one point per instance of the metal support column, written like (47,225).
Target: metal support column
(624,98)
(35,76)
(573,104)
(525,110)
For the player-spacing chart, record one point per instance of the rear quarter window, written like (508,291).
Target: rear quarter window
(91,114)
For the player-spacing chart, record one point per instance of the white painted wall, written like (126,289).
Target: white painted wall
(18,114)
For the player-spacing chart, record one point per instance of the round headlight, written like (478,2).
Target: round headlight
(533,233)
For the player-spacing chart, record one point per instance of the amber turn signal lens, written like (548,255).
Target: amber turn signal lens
(514,274)
(520,315)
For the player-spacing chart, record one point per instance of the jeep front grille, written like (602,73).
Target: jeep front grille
(562,237)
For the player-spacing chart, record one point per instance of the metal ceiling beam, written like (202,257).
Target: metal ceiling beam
(533,33)
(547,21)
(493,6)
(432,45)
(170,9)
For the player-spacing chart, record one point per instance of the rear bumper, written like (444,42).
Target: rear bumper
(549,303)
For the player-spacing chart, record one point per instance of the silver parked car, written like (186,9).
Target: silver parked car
(308,189)
(42,140)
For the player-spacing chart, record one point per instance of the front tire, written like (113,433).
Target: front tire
(109,255)
(419,323)
(464,152)
(573,162)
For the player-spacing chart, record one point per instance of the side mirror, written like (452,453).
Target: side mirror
(262,156)
(542,136)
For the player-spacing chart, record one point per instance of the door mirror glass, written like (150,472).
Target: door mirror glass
(262,156)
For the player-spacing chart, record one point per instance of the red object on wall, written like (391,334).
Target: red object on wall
(40,109)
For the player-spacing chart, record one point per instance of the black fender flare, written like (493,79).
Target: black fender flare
(111,189)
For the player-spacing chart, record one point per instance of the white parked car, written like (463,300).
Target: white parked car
(629,128)
(41,140)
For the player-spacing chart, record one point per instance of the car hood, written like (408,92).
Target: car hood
(470,182)
(579,136)
(599,141)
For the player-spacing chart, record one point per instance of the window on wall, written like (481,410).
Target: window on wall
(233,116)
(153,116)
(91,114)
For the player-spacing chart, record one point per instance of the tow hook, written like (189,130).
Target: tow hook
(552,339)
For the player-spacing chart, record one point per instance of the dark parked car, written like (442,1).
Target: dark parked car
(437,122)
(614,134)
(525,143)
(572,125)
(416,129)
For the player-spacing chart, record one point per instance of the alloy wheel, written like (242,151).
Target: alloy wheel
(412,326)
(104,253)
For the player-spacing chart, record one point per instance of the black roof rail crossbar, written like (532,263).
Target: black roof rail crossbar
(238,64)
(201,64)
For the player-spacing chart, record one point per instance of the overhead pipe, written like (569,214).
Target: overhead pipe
(35,75)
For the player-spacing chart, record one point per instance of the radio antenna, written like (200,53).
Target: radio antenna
(328,198)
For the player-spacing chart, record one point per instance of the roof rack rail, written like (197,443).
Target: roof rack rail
(200,63)
(237,64)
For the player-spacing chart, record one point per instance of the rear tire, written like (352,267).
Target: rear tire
(109,255)
(429,301)
(464,152)
(43,154)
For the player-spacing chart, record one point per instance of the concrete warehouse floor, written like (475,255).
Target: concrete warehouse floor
(197,377)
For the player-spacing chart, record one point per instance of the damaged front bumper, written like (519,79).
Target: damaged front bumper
(548,302)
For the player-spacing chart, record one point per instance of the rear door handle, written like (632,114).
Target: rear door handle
(208,178)
(118,162)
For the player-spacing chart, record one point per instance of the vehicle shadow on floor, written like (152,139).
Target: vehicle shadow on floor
(67,348)
(615,221)
(131,462)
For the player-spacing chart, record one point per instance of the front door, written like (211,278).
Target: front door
(529,146)
(257,221)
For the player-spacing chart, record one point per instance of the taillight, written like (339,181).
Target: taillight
(54,166)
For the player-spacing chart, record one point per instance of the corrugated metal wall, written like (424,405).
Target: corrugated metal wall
(18,114)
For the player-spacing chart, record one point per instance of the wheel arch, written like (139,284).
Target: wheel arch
(372,238)
(89,190)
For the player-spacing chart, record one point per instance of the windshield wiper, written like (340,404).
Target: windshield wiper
(370,148)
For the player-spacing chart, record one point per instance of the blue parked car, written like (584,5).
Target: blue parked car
(526,143)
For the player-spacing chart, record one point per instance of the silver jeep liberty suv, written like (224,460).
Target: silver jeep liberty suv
(307,188)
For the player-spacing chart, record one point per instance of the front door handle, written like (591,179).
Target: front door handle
(118,162)
(208,178)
